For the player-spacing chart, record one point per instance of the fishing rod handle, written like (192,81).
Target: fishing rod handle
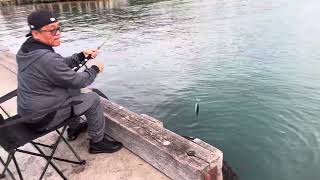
(83,63)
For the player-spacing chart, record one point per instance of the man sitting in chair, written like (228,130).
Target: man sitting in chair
(46,81)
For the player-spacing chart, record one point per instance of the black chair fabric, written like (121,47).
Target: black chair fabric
(16,132)
(16,135)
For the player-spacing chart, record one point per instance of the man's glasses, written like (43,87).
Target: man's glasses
(53,32)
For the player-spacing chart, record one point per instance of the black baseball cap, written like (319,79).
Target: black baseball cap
(39,18)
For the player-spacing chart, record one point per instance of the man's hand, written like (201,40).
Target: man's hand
(92,52)
(100,66)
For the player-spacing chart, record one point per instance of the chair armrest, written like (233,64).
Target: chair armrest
(19,119)
(8,96)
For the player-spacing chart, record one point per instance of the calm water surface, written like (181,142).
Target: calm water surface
(253,65)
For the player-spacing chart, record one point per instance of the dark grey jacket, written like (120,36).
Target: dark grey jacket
(45,77)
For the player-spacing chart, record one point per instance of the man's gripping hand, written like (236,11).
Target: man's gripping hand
(90,53)
(98,67)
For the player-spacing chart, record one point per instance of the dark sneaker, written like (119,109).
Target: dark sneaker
(104,146)
(74,132)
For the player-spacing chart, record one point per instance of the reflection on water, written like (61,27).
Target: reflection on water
(253,65)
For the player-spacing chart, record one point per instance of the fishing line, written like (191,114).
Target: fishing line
(83,63)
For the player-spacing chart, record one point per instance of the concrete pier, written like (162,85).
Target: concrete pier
(151,151)
(117,166)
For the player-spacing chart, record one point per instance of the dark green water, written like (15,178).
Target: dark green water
(253,65)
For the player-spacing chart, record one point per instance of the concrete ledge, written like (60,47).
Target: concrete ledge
(170,153)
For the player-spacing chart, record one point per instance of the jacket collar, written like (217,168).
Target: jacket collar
(31,45)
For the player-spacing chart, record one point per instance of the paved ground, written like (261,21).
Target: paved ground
(121,165)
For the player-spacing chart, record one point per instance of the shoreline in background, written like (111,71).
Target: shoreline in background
(4,3)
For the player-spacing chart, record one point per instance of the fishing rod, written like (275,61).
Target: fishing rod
(83,63)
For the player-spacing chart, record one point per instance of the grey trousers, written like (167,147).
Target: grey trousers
(91,108)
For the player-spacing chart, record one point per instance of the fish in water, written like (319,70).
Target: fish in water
(197,108)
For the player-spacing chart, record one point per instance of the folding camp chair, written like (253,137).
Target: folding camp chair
(14,133)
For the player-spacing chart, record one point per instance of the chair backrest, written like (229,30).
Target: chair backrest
(14,132)
(1,119)
(8,96)
(15,135)
(5,98)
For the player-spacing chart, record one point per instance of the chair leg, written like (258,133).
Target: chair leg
(42,154)
(17,166)
(51,163)
(6,167)
(81,161)
(51,157)
(55,146)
